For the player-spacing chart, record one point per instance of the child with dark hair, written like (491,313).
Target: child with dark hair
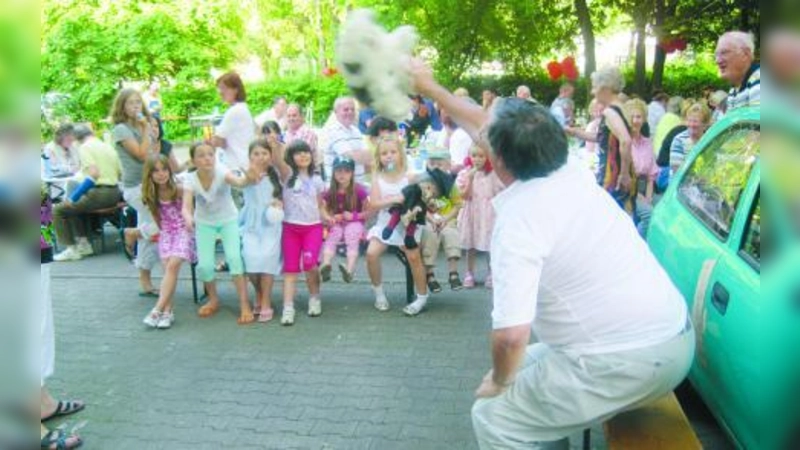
(345,205)
(302,225)
(260,225)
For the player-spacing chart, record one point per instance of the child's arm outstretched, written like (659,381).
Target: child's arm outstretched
(278,157)
(188,209)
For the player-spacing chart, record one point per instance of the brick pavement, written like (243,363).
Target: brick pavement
(351,379)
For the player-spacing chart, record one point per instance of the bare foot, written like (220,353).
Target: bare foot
(208,310)
(246,316)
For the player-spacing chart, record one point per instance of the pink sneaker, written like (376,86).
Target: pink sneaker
(488,282)
(469,281)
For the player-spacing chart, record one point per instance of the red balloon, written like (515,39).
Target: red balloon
(555,70)
(569,68)
(680,44)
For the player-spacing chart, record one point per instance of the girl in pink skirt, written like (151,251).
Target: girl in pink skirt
(478,185)
(176,243)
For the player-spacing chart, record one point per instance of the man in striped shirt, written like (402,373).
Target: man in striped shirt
(344,139)
(296,128)
(734,56)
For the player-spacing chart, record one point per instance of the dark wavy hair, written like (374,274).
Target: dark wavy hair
(527,138)
(297,146)
(272,173)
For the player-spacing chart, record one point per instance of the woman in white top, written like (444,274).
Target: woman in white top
(237,129)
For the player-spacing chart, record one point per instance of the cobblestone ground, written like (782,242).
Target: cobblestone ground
(351,379)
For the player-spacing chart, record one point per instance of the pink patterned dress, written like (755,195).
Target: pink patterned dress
(174,240)
(476,218)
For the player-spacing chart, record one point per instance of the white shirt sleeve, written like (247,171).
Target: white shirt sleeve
(518,257)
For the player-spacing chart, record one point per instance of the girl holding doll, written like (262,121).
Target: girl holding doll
(388,181)
(478,185)
(176,245)
(260,223)
(209,211)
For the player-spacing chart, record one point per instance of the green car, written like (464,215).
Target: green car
(706,231)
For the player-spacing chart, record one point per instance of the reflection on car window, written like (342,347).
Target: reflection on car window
(751,246)
(782,165)
(714,182)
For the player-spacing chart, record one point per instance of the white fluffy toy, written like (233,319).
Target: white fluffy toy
(375,63)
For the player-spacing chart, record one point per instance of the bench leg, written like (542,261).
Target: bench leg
(194,283)
(587,439)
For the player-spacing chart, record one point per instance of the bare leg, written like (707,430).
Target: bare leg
(374,251)
(289,288)
(246,312)
(471,257)
(352,258)
(146,280)
(312,281)
(172,267)
(452,264)
(327,257)
(212,305)
(417,270)
(265,300)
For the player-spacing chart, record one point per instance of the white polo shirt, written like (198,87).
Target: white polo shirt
(239,130)
(339,140)
(568,260)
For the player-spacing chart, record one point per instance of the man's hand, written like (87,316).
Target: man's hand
(488,388)
(422,80)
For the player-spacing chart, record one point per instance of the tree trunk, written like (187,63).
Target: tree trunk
(659,56)
(640,80)
(587,33)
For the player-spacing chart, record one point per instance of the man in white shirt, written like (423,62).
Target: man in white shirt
(277,113)
(613,331)
(342,138)
(563,105)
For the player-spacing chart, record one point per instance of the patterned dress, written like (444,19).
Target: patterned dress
(476,218)
(610,164)
(174,240)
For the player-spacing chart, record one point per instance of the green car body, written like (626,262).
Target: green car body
(706,232)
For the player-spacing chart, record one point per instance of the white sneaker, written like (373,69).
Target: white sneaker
(412,309)
(381,303)
(153,318)
(314,307)
(287,317)
(71,253)
(165,320)
(85,248)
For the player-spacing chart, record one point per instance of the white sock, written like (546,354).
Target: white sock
(421,298)
(378,290)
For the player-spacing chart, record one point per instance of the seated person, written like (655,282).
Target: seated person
(441,229)
(60,155)
(419,198)
(100,161)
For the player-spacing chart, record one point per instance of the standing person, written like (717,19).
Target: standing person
(420,121)
(135,139)
(735,55)
(613,331)
(614,168)
(478,185)
(56,439)
(656,110)
(260,223)
(488,97)
(209,211)
(524,92)
(100,162)
(152,100)
(343,139)
(176,244)
(389,179)
(302,226)
(237,129)
(562,106)
(277,113)
(644,163)
(345,203)
(296,128)
(668,122)
(455,140)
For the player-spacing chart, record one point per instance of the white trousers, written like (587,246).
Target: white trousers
(557,393)
(46,331)
(146,249)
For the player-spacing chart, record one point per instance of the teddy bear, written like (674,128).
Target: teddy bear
(375,63)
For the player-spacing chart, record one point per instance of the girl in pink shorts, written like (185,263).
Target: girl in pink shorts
(302,225)
(345,203)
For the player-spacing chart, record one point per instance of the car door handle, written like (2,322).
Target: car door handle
(720,297)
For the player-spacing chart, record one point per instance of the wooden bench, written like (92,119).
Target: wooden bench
(660,425)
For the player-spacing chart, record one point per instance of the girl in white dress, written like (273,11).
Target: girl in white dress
(388,180)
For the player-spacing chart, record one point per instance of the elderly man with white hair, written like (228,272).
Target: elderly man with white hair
(342,138)
(734,56)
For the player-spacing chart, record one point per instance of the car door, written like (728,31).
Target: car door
(718,189)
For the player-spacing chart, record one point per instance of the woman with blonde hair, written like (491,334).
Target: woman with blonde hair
(697,118)
(644,162)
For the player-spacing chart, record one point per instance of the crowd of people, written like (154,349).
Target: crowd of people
(282,200)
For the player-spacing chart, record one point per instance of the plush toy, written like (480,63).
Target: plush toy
(374,63)
(418,199)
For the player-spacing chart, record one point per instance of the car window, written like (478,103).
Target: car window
(751,244)
(782,167)
(714,182)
